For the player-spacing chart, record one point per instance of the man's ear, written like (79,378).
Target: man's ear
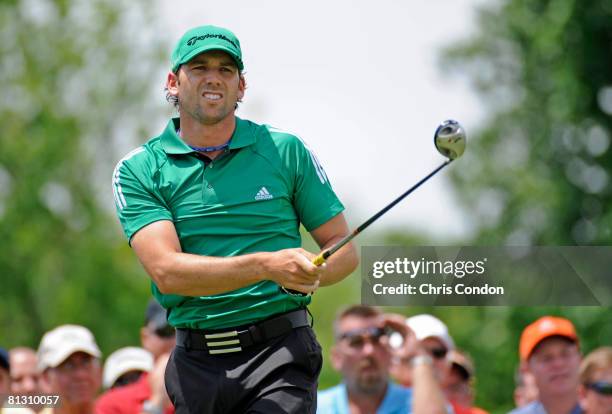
(582,398)
(144,334)
(336,358)
(524,367)
(172,82)
(241,88)
(45,379)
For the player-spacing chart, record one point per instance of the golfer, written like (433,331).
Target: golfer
(212,207)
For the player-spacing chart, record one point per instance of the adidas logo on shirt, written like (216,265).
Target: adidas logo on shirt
(263,194)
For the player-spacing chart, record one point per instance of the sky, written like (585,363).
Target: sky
(360,82)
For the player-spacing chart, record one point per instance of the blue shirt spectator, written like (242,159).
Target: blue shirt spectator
(397,400)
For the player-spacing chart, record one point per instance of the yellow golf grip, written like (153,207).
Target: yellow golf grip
(319,260)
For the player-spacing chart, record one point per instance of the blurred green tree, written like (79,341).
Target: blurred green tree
(538,170)
(75,77)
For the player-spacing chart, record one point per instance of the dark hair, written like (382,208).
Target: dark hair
(4,360)
(360,311)
(171,98)
(154,312)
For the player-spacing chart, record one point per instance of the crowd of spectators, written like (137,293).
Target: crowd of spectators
(389,364)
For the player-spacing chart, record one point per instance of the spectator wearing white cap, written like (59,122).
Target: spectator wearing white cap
(434,338)
(69,360)
(147,394)
(125,366)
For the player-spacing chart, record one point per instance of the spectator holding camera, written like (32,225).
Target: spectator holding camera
(434,339)
(362,353)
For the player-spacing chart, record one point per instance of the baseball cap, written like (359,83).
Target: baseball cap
(58,344)
(4,359)
(428,326)
(543,328)
(202,39)
(124,360)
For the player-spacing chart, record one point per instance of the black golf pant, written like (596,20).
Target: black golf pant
(279,376)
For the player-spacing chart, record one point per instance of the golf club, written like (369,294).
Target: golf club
(449,140)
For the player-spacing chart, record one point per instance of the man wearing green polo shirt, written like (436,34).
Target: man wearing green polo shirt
(212,208)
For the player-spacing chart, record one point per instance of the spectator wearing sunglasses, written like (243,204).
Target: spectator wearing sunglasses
(157,336)
(459,383)
(435,340)
(147,394)
(595,393)
(549,350)
(363,354)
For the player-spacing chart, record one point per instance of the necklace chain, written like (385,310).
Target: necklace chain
(207,149)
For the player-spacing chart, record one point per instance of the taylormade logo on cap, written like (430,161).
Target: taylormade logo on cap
(203,39)
(194,39)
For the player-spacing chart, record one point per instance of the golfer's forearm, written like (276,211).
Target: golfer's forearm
(193,275)
(427,394)
(340,264)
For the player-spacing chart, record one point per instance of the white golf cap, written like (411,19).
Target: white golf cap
(124,360)
(58,344)
(428,326)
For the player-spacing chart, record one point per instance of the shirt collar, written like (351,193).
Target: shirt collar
(172,143)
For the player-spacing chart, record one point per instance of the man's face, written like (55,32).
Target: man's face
(457,388)
(362,355)
(593,401)
(207,87)
(76,380)
(526,391)
(157,341)
(554,364)
(24,375)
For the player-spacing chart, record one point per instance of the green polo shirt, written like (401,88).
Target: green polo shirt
(251,198)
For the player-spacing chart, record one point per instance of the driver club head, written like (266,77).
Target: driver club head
(450,139)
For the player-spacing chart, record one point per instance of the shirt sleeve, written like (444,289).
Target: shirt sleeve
(137,201)
(315,200)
